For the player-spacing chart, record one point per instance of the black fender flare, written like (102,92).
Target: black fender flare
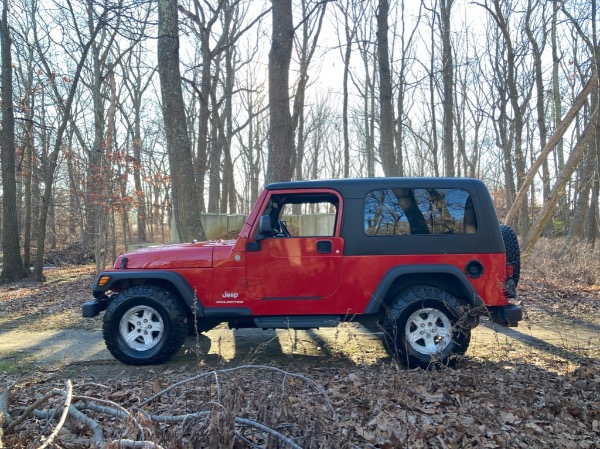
(377,301)
(182,287)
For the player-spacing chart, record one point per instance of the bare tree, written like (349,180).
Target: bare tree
(65,107)
(12,266)
(185,197)
(537,50)
(351,15)
(586,213)
(515,93)
(591,85)
(281,145)
(386,109)
(311,24)
(402,67)
(366,89)
(137,80)
(448,85)
(25,67)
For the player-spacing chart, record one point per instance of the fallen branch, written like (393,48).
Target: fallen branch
(5,418)
(63,418)
(239,368)
(137,444)
(115,410)
(280,437)
(563,177)
(75,405)
(511,216)
(29,410)
(92,424)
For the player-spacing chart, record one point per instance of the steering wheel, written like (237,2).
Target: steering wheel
(283,228)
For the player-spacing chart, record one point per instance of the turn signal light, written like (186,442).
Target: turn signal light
(103,280)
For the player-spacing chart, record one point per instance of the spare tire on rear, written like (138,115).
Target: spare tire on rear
(513,253)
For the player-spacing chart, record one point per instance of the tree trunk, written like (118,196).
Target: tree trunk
(281,143)
(540,107)
(52,162)
(214,167)
(448,82)
(563,177)
(347,54)
(386,110)
(591,222)
(140,197)
(432,105)
(12,264)
(29,155)
(557,101)
(185,197)
(511,216)
(95,181)
(203,116)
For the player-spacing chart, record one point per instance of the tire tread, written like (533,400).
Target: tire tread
(513,252)
(402,306)
(173,340)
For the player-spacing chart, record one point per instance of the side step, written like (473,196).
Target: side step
(297,322)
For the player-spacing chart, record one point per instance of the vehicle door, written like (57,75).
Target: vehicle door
(298,251)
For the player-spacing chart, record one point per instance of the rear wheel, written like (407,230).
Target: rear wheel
(144,326)
(426,326)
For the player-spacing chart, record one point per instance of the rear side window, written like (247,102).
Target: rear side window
(419,211)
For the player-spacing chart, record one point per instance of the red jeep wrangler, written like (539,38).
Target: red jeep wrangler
(421,257)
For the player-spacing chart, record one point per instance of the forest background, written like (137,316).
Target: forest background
(122,118)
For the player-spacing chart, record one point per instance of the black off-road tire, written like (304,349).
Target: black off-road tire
(426,305)
(513,253)
(159,309)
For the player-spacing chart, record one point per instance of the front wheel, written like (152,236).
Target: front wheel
(144,325)
(425,327)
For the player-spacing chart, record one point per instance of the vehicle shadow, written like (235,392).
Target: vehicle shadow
(572,347)
(352,345)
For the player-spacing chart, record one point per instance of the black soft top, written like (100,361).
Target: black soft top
(358,187)
(488,238)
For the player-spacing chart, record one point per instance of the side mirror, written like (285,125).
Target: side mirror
(264,226)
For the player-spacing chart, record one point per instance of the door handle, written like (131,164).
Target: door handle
(324,247)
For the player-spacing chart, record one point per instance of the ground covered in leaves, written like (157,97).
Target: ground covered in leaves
(510,395)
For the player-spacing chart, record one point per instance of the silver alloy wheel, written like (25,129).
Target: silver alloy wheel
(428,331)
(141,328)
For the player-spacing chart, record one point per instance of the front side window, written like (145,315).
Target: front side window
(303,215)
(391,212)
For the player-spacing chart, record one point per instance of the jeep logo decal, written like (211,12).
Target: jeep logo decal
(228,295)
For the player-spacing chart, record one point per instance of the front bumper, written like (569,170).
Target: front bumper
(93,308)
(507,316)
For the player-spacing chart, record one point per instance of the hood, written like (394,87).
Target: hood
(184,255)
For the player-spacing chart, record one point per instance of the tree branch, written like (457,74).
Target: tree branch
(68,397)
(511,216)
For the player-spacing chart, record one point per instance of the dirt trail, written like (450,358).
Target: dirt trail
(53,348)
(41,327)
